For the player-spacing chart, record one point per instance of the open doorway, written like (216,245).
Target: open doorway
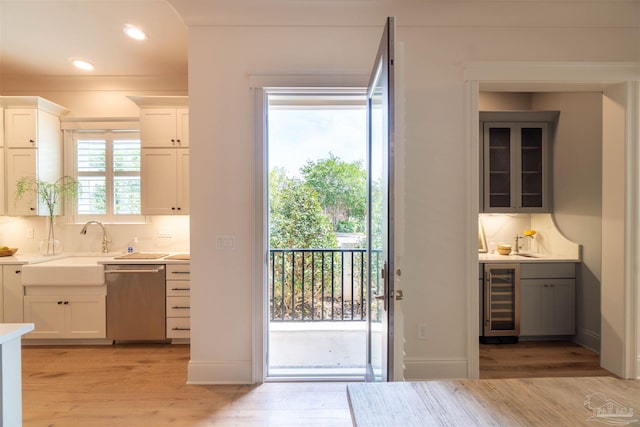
(315,290)
(617,173)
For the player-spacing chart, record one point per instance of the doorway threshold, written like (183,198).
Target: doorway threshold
(355,374)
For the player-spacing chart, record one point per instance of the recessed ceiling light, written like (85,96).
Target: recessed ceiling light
(82,64)
(135,32)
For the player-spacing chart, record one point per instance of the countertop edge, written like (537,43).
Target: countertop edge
(11,331)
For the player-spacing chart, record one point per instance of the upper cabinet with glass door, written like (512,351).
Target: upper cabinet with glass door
(515,173)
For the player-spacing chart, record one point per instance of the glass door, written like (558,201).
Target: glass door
(380,253)
(502,300)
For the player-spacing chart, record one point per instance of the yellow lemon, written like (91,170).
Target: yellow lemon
(530,233)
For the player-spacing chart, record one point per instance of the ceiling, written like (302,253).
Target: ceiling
(39,37)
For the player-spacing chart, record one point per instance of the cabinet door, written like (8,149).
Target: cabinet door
(158,180)
(13,293)
(20,162)
(2,181)
(21,128)
(499,177)
(182,176)
(182,121)
(158,127)
(532,300)
(515,167)
(48,315)
(532,166)
(560,306)
(86,317)
(502,300)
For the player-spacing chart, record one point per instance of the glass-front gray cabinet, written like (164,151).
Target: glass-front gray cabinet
(515,170)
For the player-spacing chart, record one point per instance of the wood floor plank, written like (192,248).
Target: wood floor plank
(145,385)
(505,402)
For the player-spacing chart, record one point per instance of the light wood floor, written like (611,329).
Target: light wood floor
(145,385)
(539,359)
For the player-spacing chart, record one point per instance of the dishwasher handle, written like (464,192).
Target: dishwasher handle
(141,270)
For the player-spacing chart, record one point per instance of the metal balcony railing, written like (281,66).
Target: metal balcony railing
(319,284)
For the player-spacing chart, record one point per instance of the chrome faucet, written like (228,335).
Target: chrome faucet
(517,248)
(105,239)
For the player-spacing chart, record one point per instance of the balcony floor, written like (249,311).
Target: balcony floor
(317,350)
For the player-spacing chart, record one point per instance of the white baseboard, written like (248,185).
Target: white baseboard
(588,339)
(225,372)
(420,369)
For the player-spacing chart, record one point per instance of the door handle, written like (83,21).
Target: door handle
(379,297)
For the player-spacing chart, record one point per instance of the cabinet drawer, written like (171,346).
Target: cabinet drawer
(178,307)
(178,271)
(178,327)
(178,288)
(547,270)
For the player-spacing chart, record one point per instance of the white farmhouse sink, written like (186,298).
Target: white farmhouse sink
(70,271)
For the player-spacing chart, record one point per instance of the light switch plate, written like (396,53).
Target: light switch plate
(225,243)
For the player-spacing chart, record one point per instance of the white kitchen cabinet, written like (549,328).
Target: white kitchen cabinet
(21,163)
(12,293)
(548,307)
(164,180)
(58,313)
(33,147)
(3,203)
(21,127)
(178,301)
(164,127)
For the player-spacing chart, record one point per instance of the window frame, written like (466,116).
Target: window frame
(71,133)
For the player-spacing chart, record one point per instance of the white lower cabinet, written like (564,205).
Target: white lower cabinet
(58,313)
(11,294)
(178,301)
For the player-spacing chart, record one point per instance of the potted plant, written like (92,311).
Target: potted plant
(49,194)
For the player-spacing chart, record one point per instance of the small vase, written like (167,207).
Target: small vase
(50,247)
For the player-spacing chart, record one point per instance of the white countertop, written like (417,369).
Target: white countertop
(496,258)
(11,331)
(109,258)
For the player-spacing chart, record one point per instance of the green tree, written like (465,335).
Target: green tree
(341,189)
(296,219)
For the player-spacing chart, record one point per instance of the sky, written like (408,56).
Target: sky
(299,135)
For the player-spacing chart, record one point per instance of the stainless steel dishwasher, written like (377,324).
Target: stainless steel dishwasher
(135,302)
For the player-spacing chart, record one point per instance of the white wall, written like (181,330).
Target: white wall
(577,195)
(233,40)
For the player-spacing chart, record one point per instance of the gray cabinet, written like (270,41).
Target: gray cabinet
(547,299)
(515,169)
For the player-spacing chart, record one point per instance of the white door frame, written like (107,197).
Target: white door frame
(554,76)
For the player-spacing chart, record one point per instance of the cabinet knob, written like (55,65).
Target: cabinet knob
(179,208)
(59,302)
(173,208)
(32,141)
(18,271)
(32,209)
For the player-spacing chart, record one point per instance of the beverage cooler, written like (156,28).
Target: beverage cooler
(501,317)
